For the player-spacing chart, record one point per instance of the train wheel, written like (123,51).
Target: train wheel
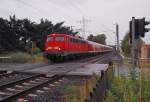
(66,58)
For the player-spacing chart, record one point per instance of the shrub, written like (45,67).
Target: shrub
(20,57)
(133,88)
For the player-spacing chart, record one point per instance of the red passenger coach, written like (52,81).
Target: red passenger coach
(63,46)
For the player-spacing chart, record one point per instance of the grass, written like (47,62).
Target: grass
(70,89)
(78,93)
(145,64)
(72,93)
(22,57)
(134,88)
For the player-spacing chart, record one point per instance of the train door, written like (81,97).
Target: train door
(70,44)
(67,43)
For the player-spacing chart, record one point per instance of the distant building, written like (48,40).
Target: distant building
(145,51)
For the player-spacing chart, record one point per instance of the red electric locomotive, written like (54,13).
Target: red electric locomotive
(63,46)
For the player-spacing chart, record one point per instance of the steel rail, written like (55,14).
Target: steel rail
(2,86)
(14,96)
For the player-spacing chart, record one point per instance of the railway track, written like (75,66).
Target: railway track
(16,88)
(97,59)
(23,67)
(103,59)
(23,86)
(3,72)
(7,78)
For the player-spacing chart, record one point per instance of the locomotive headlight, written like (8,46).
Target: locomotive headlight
(57,47)
(49,48)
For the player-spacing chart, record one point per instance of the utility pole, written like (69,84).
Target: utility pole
(133,42)
(83,26)
(117,45)
(71,28)
(117,35)
(83,23)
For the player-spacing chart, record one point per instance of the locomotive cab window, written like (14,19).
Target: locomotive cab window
(59,38)
(49,38)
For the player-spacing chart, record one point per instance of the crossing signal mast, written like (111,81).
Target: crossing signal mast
(137,30)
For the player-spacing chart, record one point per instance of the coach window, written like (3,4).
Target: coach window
(80,41)
(74,40)
(71,40)
(59,38)
(49,38)
(83,42)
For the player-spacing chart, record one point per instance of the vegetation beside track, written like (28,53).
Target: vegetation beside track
(21,34)
(22,57)
(132,88)
(79,92)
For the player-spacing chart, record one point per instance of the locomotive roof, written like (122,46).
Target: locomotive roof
(78,37)
(94,43)
(90,42)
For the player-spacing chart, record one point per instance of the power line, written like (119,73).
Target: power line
(39,11)
(36,9)
(29,5)
(107,28)
(61,10)
(75,6)
(83,23)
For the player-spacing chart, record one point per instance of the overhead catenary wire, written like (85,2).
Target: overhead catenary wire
(83,24)
(105,27)
(63,10)
(29,5)
(108,32)
(39,11)
(76,7)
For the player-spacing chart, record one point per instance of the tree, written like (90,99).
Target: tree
(17,34)
(100,38)
(126,46)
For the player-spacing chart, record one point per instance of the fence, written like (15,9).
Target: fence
(99,91)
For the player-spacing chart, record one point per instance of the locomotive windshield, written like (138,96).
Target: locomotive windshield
(59,38)
(49,38)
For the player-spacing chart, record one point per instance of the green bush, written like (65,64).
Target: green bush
(20,57)
(134,88)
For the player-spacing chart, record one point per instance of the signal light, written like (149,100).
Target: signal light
(142,29)
(139,27)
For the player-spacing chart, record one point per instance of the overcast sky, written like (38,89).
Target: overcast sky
(101,15)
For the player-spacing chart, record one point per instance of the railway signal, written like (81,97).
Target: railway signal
(135,27)
(139,28)
(141,25)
